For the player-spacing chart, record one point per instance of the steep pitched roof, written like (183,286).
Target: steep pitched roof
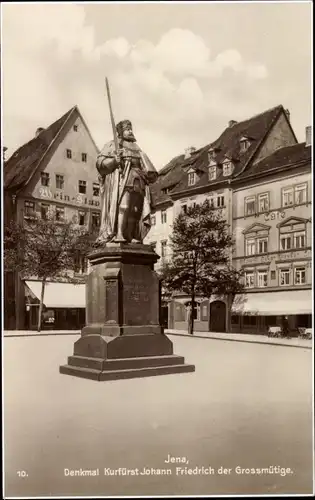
(22,164)
(282,157)
(168,178)
(228,144)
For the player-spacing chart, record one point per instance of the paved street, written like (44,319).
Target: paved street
(247,405)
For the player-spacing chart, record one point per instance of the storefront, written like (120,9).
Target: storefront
(209,316)
(64,305)
(255,312)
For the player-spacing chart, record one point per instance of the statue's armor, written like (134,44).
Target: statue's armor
(133,207)
(136,172)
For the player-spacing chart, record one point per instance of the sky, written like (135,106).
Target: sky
(178,71)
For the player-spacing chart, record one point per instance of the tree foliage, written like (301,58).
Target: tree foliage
(44,249)
(200,261)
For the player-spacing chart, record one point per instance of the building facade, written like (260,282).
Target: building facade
(55,171)
(220,172)
(272,223)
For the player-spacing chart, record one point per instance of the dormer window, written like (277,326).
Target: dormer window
(211,154)
(227,168)
(244,144)
(212,173)
(191,178)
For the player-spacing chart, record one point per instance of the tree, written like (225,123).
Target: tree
(200,262)
(45,249)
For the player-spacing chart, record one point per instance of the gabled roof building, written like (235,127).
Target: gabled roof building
(55,170)
(247,152)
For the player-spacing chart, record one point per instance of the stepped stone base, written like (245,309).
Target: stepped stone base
(127,356)
(123,337)
(100,370)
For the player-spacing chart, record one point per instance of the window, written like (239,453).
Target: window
(299,276)
(211,154)
(84,157)
(60,214)
(153,245)
(80,264)
(250,207)
(44,178)
(153,220)
(212,173)
(44,209)
(82,187)
(227,168)
(299,239)
(184,209)
(69,153)
(60,182)
(249,320)
(244,145)
(82,215)
(196,312)
(235,319)
(220,201)
(95,217)
(262,245)
(211,201)
(292,240)
(249,279)
(250,246)
(163,248)
(300,194)
(294,195)
(29,208)
(191,178)
(262,279)
(287,197)
(163,216)
(75,128)
(263,202)
(96,189)
(273,275)
(284,277)
(285,242)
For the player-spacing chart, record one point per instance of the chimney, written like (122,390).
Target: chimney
(38,131)
(4,150)
(287,112)
(308,135)
(189,151)
(231,123)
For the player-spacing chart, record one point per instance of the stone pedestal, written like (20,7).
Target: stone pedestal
(123,337)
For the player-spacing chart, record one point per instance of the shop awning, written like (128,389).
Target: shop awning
(63,295)
(274,303)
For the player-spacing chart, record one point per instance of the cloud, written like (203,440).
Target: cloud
(182,53)
(45,23)
(171,89)
(118,47)
(257,71)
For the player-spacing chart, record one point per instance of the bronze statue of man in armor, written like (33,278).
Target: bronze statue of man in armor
(125,175)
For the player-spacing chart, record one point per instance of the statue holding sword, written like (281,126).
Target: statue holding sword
(125,173)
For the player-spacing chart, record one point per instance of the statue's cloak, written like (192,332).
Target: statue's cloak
(112,186)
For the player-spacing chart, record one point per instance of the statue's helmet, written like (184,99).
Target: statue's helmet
(123,125)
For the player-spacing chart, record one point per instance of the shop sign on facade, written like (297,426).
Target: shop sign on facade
(79,199)
(275,215)
(296,254)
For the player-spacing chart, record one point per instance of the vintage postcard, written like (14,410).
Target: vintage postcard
(157,249)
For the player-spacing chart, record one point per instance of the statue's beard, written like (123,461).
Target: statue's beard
(129,138)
